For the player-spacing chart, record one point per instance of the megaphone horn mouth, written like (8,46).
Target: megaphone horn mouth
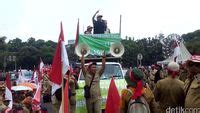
(84,51)
(82,48)
(117,49)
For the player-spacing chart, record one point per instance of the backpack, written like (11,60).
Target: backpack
(138,105)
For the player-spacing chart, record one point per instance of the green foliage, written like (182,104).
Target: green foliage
(192,41)
(2,44)
(151,49)
(28,53)
(194,45)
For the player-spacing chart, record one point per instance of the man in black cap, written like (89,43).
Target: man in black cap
(99,24)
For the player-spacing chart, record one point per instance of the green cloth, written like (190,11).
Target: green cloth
(99,42)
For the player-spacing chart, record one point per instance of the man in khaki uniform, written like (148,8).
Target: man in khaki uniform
(92,76)
(192,84)
(169,91)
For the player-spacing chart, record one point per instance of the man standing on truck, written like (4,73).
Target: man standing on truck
(99,24)
(92,82)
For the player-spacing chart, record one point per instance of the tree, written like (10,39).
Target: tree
(14,45)
(192,41)
(2,44)
(28,57)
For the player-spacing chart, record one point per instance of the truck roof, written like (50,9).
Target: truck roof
(99,59)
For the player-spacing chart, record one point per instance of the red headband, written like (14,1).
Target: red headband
(174,73)
(138,90)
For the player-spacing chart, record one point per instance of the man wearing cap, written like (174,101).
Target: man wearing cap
(136,88)
(89,30)
(99,24)
(192,84)
(92,80)
(169,91)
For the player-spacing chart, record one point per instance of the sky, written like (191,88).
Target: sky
(140,18)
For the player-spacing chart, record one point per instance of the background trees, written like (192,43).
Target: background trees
(29,52)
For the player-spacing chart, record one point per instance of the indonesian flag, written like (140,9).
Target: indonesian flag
(36,99)
(77,34)
(113,99)
(35,77)
(8,93)
(21,78)
(41,69)
(177,50)
(60,63)
(41,66)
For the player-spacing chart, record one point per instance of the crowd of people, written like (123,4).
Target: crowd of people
(23,99)
(173,89)
(175,86)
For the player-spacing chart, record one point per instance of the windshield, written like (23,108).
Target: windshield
(110,70)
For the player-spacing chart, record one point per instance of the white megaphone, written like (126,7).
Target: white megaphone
(117,49)
(82,47)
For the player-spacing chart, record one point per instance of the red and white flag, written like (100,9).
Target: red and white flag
(8,93)
(41,70)
(113,98)
(34,77)
(41,66)
(177,50)
(60,63)
(36,99)
(21,78)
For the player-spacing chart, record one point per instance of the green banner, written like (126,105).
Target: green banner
(99,42)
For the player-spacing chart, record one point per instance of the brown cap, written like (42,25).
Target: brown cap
(89,27)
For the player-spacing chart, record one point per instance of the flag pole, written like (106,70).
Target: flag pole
(120,22)
(77,33)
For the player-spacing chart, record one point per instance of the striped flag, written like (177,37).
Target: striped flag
(8,93)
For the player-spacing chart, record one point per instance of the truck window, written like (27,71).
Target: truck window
(110,70)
